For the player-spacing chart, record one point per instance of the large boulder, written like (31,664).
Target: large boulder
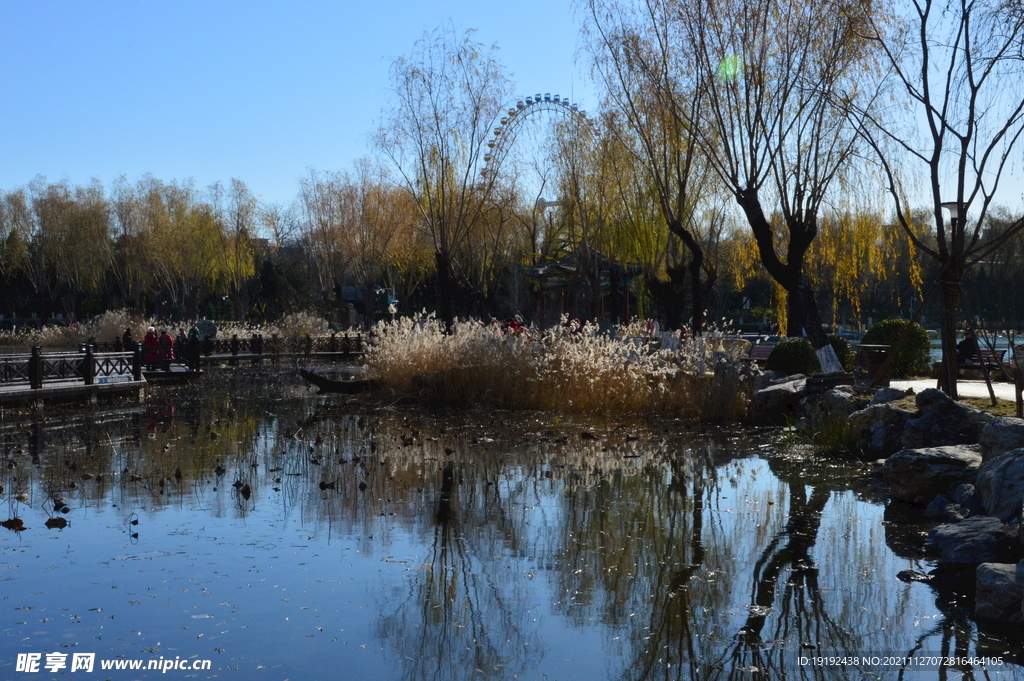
(1001,485)
(966,497)
(879,428)
(1001,434)
(919,475)
(889,394)
(976,540)
(778,401)
(945,510)
(962,503)
(842,400)
(942,421)
(1000,593)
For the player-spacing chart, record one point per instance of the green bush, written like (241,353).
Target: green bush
(793,356)
(797,356)
(913,356)
(844,351)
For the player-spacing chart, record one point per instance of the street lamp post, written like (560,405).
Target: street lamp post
(950,285)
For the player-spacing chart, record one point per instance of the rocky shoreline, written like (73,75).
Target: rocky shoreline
(947,463)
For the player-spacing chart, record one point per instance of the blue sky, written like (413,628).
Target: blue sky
(259,91)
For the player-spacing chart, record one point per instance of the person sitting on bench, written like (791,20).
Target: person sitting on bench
(967,349)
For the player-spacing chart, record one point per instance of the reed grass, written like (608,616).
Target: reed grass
(584,372)
(111,325)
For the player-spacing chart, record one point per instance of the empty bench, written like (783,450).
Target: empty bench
(759,353)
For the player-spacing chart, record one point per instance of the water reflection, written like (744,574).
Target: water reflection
(459,546)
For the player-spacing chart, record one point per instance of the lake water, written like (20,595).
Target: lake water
(278,534)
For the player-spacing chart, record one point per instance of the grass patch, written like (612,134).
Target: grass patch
(830,434)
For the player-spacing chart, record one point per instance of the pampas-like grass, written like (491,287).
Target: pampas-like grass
(585,371)
(111,325)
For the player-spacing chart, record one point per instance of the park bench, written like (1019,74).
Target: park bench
(983,360)
(759,353)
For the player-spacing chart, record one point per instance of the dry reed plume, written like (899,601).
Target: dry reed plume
(111,325)
(584,372)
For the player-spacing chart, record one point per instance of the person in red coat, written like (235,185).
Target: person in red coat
(150,341)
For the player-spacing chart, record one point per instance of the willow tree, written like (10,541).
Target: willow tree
(587,199)
(448,94)
(379,229)
(327,200)
(238,215)
(858,258)
(777,79)
(15,232)
(959,67)
(71,243)
(639,55)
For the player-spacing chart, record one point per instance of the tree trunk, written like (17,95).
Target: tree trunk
(445,291)
(696,263)
(669,296)
(950,288)
(812,325)
(794,314)
(789,275)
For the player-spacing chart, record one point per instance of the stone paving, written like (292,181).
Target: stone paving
(1003,391)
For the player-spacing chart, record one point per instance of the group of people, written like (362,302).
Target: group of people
(159,347)
(513,326)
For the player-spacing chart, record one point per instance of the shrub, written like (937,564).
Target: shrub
(793,356)
(843,351)
(914,354)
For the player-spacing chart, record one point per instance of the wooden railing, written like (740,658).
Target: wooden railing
(258,344)
(89,367)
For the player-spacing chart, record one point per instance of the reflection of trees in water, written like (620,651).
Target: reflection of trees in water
(696,576)
(664,565)
(463,617)
(802,613)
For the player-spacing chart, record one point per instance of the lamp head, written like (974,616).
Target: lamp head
(953,207)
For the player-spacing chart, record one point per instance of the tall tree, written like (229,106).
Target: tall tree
(777,78)
(958,65)
(15,232)
(638,53)
(71,242)
(448,93)
(326,199)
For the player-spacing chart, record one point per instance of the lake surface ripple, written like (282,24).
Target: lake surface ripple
(286,535)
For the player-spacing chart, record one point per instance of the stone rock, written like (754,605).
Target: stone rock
(942,422)
(966,497)
(777,377)
(779,400)
(976,540)
(748,374)
(918,475)
(944,510)
(842,400)
(1001,485)
(1002,434)
(883,395)
(912,576)
(1000,593)
(880,428)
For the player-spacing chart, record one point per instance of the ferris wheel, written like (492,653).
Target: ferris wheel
(510,126)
